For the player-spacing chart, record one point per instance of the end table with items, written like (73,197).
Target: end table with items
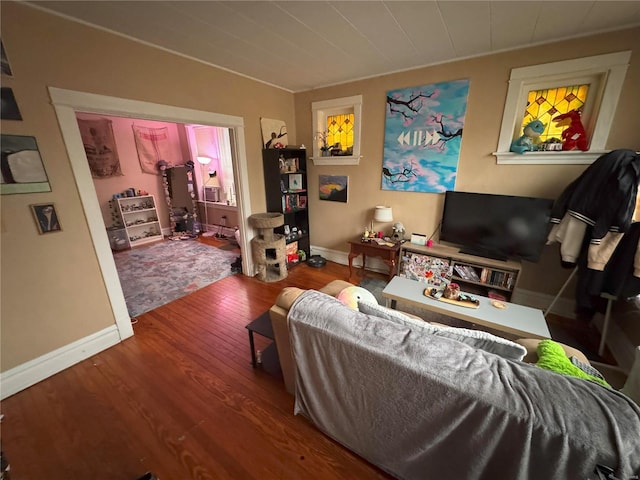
(388,251)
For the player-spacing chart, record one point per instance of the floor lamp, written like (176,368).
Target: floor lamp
(204,161)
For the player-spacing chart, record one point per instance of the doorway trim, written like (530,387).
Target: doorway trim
(67,102)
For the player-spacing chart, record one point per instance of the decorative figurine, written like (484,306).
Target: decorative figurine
(527,142)
(574,136)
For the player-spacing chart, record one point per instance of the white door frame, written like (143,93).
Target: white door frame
(67,102)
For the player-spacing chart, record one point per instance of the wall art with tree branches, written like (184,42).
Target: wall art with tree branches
(423,133)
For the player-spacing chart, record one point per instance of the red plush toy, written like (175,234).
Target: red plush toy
(574,136)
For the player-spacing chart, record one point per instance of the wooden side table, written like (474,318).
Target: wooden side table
(389,255)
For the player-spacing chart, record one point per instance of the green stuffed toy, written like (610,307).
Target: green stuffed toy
(551,356)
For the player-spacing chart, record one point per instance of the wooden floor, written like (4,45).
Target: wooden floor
(180,399)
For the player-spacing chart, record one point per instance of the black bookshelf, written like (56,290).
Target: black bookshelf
(285,182)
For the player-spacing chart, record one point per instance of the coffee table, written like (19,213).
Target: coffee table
(514,319)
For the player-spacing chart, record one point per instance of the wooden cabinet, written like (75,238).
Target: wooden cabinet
(139,217)
(285,177)
(479,275)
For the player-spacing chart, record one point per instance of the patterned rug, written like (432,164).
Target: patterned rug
(158,274)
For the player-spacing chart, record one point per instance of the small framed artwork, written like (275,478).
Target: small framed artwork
(4,61)
(334,188)
(21,166)
(274,133)
(46,218)
(302,201)
(8,106)
(295,181)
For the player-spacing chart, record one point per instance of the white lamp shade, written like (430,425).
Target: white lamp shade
(204,160)
(383,214)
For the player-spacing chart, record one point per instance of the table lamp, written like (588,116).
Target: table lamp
(382,214)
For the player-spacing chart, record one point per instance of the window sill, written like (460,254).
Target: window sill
(548,158)
(337,160)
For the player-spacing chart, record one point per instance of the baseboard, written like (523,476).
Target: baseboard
(23,376)
(373,263)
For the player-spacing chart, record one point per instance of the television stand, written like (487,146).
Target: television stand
(475,274)
(484,254)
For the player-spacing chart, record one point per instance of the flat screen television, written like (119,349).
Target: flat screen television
(496,226)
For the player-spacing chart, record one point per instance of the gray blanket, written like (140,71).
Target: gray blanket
(425,407)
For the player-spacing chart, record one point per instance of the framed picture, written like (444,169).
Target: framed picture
(274,132)
(8,106)
(334,188)
(4,61)
(295,181)
(22,167)
(46,218)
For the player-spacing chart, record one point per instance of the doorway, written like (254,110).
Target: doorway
(68,102)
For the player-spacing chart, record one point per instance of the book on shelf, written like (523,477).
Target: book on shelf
(471,273)
(483,275)
(461,272)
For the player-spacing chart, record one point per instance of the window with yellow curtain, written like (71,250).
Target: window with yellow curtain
(546,104)
(340,130)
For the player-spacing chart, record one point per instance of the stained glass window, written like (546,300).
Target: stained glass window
(546,104)
(340,130)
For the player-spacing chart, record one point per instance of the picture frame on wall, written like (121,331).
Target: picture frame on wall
(334,188)
(274,133)
(4,61)
(8,105)
(46,218)
(22,167)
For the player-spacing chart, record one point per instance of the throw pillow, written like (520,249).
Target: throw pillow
(475,338)
(350,296)
(551,357)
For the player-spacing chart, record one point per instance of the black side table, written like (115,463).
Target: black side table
(270,361)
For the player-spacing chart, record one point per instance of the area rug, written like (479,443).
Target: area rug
(157,274)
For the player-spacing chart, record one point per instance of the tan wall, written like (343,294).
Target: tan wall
(332,224)
(132,174)
(52,292)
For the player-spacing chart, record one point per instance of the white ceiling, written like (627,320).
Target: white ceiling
(301,45)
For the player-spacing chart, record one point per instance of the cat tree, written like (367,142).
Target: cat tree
(268,248)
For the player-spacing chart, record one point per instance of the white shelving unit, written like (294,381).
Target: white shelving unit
(139,217)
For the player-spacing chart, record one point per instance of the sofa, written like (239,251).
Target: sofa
(422,405)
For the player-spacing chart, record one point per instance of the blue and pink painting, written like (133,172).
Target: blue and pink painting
(423,133)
